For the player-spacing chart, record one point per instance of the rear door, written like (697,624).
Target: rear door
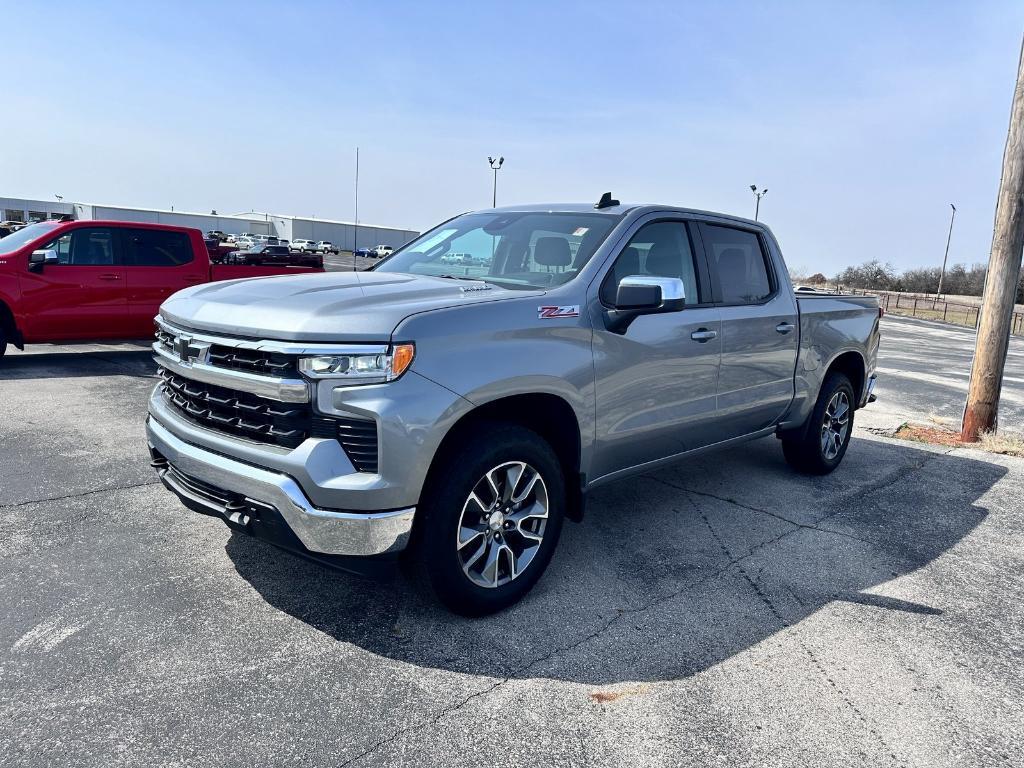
(656,383)
(759,329)
(82,296)
(158,262)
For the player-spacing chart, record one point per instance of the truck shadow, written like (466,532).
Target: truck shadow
(78,363)
(675,571)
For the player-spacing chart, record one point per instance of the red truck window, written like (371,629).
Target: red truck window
(90,247)
(153,248)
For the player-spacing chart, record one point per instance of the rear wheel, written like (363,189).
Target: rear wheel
(493,519)
(3,340)
(830,427)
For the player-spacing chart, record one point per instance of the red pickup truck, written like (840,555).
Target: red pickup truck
(92,280)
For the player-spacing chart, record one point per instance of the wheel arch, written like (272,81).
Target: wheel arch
(851,364)
(549,415)
(10,326)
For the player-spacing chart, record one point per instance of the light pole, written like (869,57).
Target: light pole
(949,237)
(758,195)
(60,198)
(495,166)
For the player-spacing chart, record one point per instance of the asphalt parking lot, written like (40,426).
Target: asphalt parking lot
(722,612)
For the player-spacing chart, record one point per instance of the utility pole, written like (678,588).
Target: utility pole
(758,195)
(982,409)
(949,237)
(495,166)
(355,230)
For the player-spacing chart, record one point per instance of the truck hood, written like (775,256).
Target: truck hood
(333,306)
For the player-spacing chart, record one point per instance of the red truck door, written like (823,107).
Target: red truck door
(158,262)
(81,295)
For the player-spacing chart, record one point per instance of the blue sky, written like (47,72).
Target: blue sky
(864,120)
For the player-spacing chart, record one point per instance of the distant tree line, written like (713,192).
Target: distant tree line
(882,276)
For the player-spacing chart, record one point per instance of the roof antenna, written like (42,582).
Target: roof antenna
(606,201)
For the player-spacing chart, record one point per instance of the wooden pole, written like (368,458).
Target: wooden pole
(982,409)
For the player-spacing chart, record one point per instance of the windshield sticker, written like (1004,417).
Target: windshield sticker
(580,231)
(552,313)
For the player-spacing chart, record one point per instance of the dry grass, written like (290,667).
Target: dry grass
(955,316)
(1009,443)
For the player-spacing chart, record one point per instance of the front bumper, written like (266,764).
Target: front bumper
(269,504)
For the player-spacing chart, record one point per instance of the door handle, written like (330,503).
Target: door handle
(784,327)
(703,335)
(109,276)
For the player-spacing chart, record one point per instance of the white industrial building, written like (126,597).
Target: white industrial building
(344,234)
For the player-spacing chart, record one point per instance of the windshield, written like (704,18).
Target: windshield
(514,250)
(15,240)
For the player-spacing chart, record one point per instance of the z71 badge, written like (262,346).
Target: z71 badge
(551,313)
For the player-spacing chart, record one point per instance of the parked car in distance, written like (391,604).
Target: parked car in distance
(244,243)
(94,280)
(366,253)
(326,246)
(278,255)
(216,234)
(383,250)
(303,245)
(470,416)
(219,251)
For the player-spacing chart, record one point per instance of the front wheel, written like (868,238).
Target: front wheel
(492,520)
(3,340)
(830,427)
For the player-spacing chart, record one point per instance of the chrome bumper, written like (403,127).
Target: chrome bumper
(325,531)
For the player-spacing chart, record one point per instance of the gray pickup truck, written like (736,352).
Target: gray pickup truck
(462,409)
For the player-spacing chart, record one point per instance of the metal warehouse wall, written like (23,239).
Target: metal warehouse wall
(344,235)
(22,209)
(197,220)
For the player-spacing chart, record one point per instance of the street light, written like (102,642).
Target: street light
(60,198)
(949,237)
(758,195)
(495,166)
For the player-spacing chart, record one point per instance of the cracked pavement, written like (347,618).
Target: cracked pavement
(722,611)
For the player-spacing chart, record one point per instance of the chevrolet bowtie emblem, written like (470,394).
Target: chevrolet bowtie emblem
(181,347)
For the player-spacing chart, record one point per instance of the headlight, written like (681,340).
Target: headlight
(354,368)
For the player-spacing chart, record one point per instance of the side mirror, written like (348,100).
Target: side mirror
(37,259)
(644,295)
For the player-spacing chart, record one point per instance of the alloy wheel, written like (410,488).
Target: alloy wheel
(835,425)
(502,524)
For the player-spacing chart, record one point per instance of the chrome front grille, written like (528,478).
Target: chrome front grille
(252,360)
(237,413)
(253,389)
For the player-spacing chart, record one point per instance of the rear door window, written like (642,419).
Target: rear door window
(156,248)
(738,263)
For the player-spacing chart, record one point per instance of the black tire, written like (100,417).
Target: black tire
(811,453)
(3,340)
(461,473)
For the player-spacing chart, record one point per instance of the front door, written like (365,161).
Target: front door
(656,383)
(80,297)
